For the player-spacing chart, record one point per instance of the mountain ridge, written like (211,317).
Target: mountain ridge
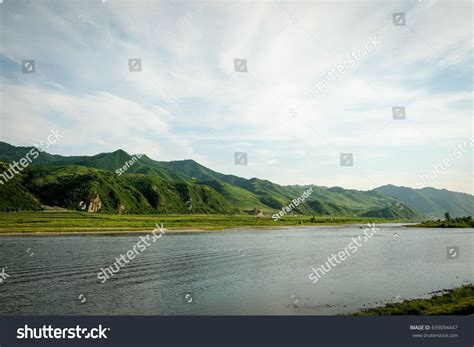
(430,201)
(148,184)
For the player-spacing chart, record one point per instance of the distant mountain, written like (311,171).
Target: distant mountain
(266,194)
(431,202)
(183,186)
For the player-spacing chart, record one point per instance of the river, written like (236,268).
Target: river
(234,272)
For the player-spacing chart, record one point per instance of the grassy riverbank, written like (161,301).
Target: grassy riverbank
(458,301)
(53,222)
(461,222)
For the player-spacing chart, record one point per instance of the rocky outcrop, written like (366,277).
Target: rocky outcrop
(95,205)
(121,209)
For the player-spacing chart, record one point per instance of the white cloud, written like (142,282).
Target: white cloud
(189,103)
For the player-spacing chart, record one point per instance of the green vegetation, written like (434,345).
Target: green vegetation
(458,301)
(397,211)
(24,222)
(90,183)
(68,186)
(430,202)
(14,196)
(460,222)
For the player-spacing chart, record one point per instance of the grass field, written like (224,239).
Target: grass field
(458,301)
(23,222)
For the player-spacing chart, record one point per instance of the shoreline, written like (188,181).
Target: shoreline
(184,230)
(453,301)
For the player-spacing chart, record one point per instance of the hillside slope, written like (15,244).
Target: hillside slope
(93,190)
(431,202)
(15,197)
(185,186)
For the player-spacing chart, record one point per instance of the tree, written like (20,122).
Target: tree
(447,216)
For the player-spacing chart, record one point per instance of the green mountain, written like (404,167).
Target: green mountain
(15,197)
(431,202)
(82,188)
(149,186)
(248,193)
(104,161)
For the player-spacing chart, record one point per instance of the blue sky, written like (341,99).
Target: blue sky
(189,103)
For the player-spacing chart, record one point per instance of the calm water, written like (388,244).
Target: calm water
(232,272)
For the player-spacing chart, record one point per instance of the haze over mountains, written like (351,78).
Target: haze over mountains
(91,183)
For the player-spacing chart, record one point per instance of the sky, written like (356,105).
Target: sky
(189,102)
